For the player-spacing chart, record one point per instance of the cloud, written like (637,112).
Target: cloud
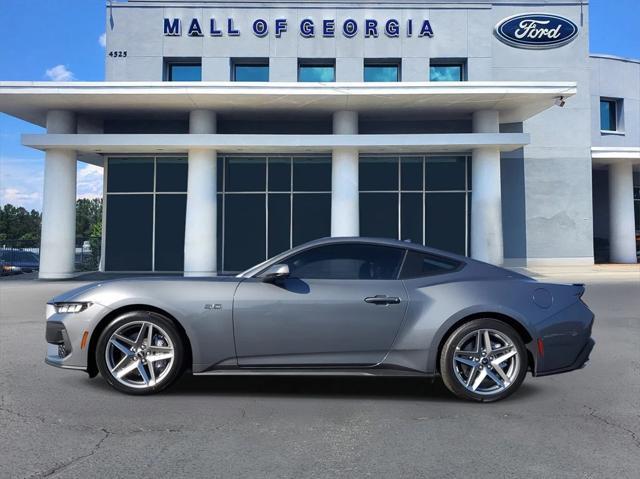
(89,180)
(59,73)
(21,181)
(102,40)
(17,197)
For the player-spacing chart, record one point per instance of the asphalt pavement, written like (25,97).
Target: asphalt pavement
(55,423)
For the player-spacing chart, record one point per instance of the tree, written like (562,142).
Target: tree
(16,223)
(88,215)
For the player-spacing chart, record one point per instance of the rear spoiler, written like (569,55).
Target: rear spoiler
(580,289)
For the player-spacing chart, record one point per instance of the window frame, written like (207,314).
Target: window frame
(450,62)
(383,62)
(169,63)
(425,192)
(154,192)
(250,62)
(618,116)
(293,192)
(316,62)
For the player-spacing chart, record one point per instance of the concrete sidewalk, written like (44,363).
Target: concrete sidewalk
(597,272)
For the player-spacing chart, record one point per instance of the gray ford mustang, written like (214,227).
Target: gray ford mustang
(332,306)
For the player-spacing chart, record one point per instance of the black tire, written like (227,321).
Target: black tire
(452,380)
(167,327)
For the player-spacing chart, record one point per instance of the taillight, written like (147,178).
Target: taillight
(540,347)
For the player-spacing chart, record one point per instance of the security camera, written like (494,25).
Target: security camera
(560,101)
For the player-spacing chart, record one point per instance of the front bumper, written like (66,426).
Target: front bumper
(64,332)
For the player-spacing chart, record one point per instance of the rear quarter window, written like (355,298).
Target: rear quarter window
(418,265)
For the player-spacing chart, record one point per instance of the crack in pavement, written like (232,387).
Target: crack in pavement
(594,414)
(61,467)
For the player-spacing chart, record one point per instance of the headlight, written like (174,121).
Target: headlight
(63,308)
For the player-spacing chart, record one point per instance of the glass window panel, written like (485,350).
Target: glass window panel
(169,233)
(129,232)
(220,173)
(468,226)
(381,73)
(246,174)
(411,173)
(184,72)
(244,231)
(312,174)
(417,265)
(279,223)
(608,115)
(445,221)
(311,216)
(130,175)
(411,217)
(347,261)
(250,72)
(171,174)
(445,173)
(219,225)
(378,174)
(379,215)
(445,72)
(279,174)
(636,206)
(316,73)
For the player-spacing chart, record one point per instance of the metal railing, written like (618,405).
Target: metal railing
(26,253)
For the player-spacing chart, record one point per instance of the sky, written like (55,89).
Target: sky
(63,40)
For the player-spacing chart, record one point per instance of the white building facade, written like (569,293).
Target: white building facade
(231,131)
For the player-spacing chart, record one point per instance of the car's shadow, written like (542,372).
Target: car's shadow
(329,387)
(400,388)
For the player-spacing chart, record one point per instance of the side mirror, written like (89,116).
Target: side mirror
(275,272)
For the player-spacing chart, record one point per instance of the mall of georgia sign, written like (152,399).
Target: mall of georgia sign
(536,31)
(307,28)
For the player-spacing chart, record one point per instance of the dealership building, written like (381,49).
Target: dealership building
(230,131)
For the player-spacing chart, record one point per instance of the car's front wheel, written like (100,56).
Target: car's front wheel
(140,352)
(483,360)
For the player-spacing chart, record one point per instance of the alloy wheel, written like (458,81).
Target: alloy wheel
(140,354)
(486,362)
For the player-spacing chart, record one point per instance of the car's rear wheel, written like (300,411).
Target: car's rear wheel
(140,352)
(483,360)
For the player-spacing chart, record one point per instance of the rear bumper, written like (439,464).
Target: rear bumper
(579,363)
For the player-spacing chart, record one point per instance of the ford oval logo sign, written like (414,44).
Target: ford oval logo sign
(536,31)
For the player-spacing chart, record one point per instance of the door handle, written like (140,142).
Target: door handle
(382,299)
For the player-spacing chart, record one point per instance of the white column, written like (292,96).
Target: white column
(622,226)
(200,236)
(345,212)
(58,236)
(486,196)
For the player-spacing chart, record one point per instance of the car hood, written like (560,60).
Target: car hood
(93,291)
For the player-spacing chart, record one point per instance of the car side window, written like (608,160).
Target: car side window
(347,261)
(417,265)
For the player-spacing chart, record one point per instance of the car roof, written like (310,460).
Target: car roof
(407,244)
